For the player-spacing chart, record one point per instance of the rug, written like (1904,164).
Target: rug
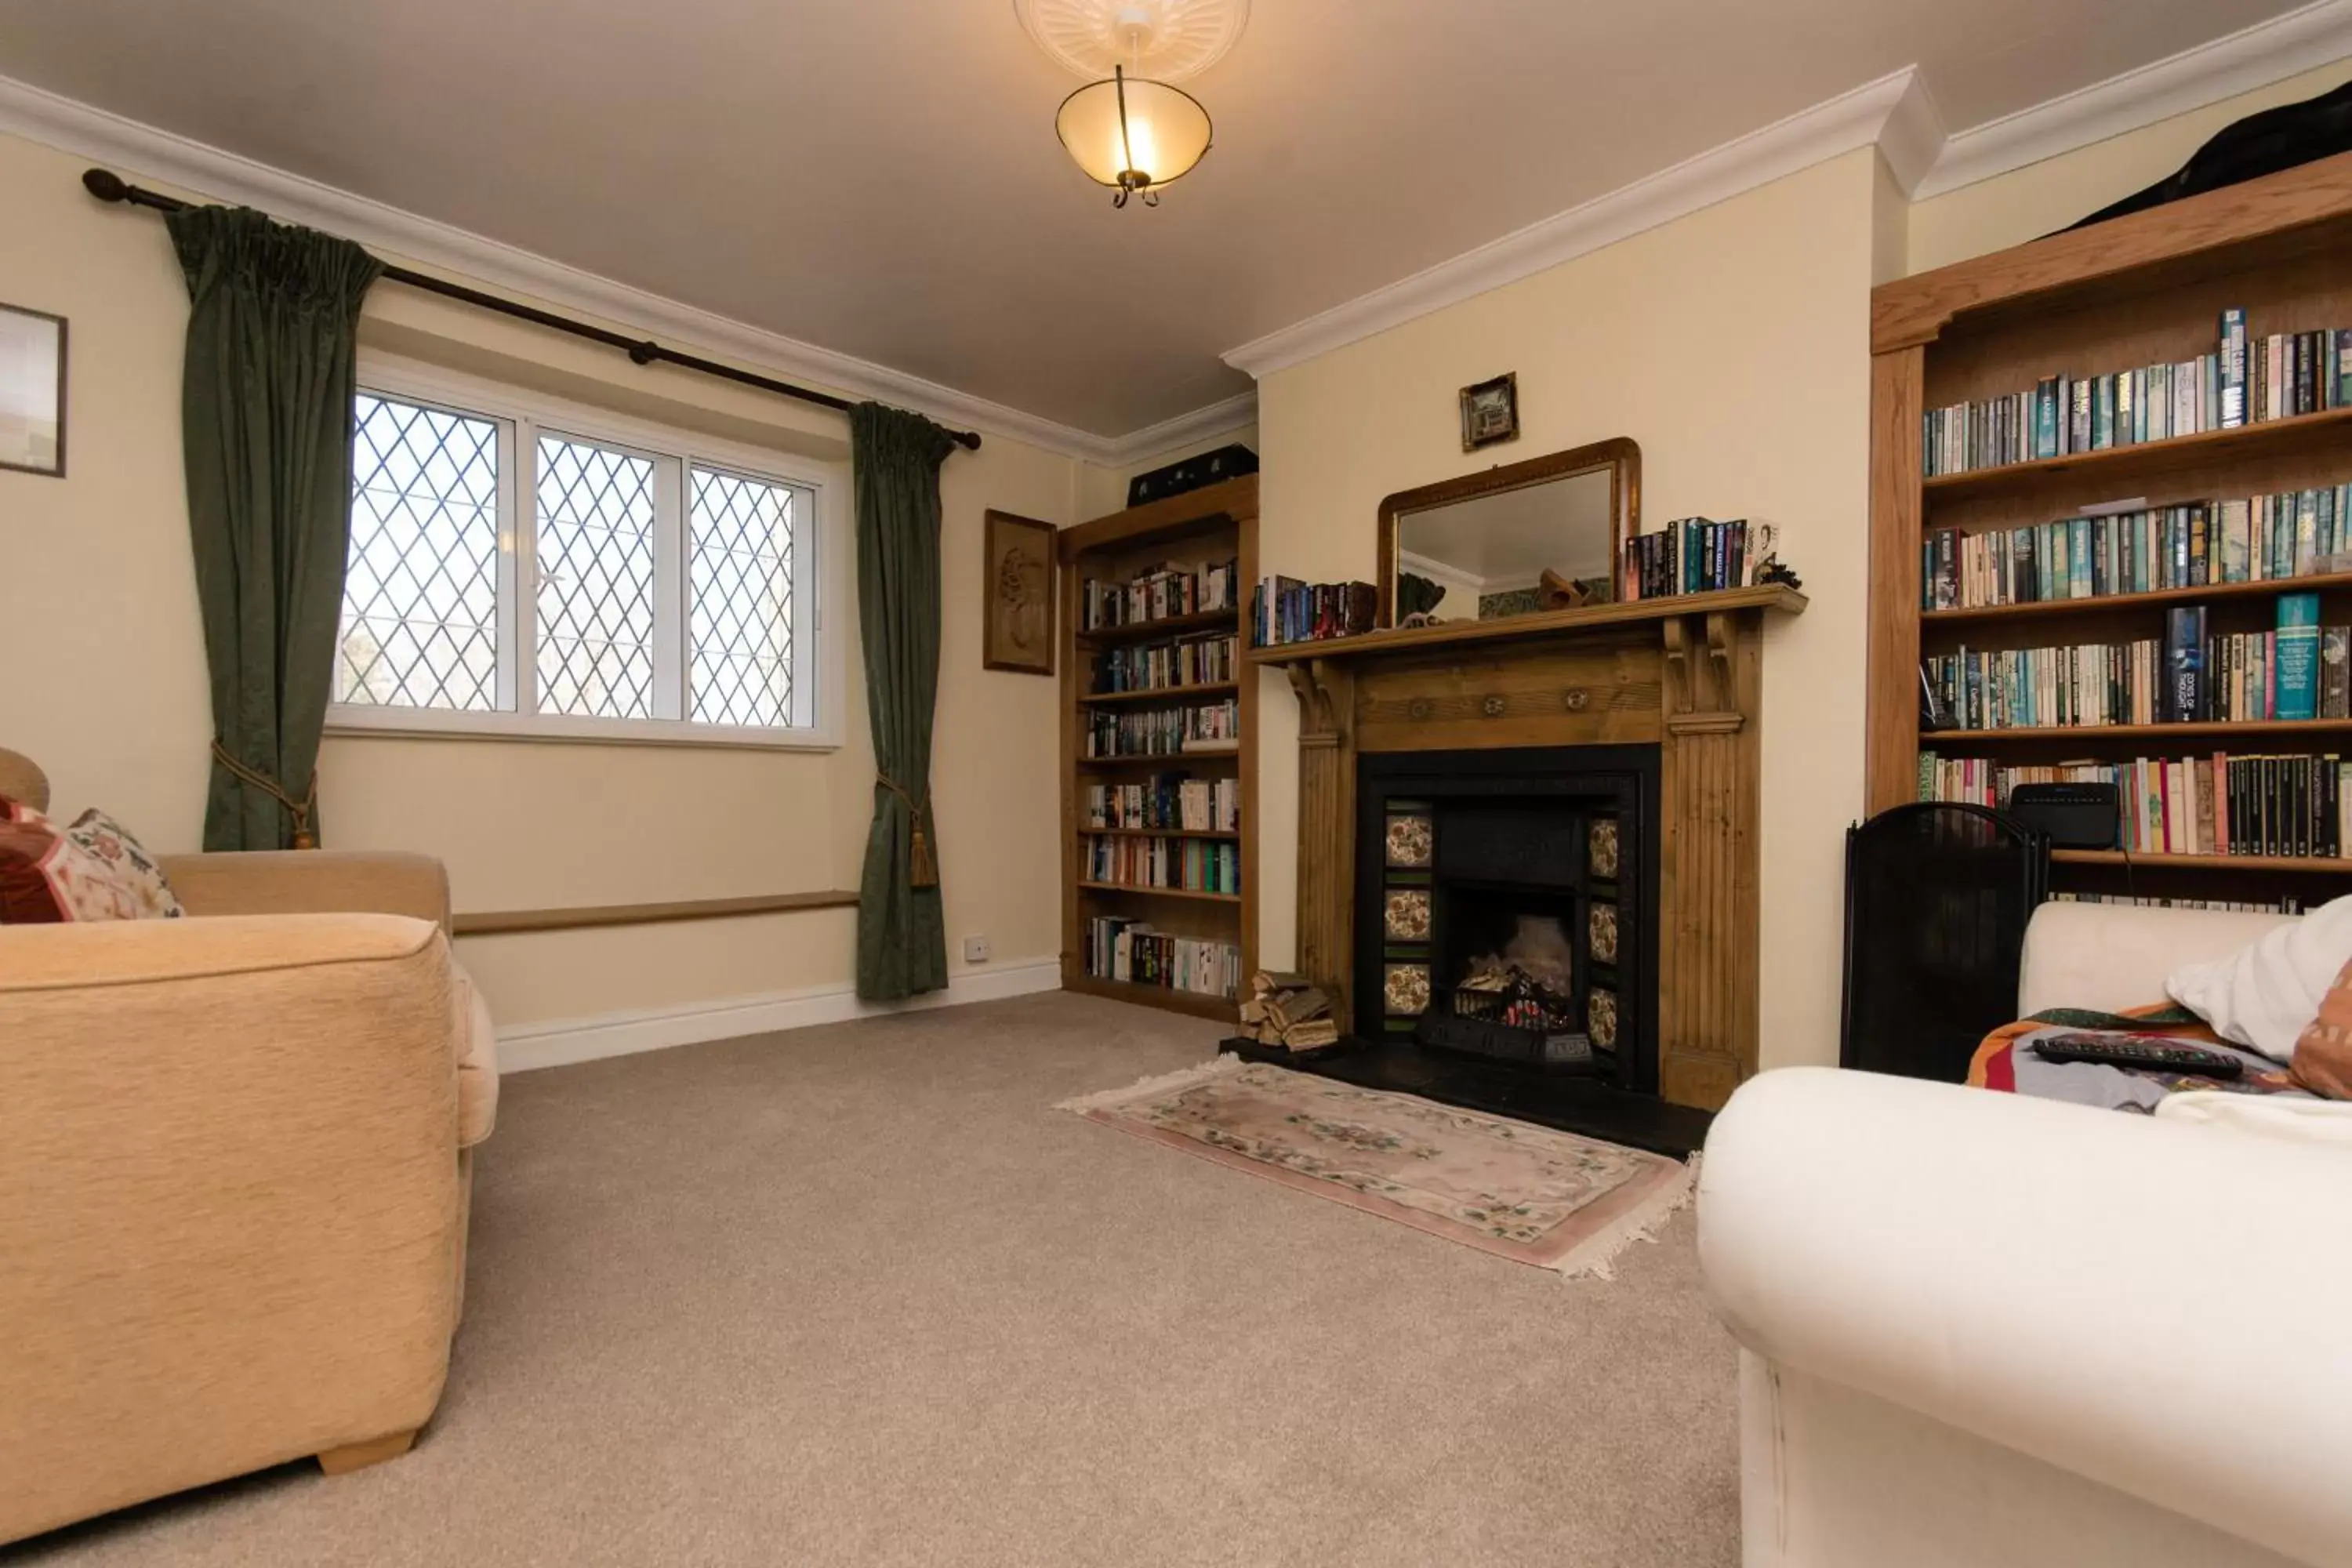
(1532,1194)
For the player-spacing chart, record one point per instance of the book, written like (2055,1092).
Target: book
(2184,665)
(2233,368)
(2298,655)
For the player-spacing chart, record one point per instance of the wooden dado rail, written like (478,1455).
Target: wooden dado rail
(503,923)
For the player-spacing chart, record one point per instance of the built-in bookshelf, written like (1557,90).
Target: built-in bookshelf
(1158,735)
(2157,512)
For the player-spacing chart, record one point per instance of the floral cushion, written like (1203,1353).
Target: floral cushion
(92,870)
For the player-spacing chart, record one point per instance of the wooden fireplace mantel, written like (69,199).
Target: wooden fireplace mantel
(1685,674)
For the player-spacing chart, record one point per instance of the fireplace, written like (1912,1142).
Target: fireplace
(1506,907)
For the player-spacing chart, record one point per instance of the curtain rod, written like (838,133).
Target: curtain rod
(109,186)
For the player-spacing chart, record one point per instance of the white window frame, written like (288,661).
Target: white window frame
(522,416)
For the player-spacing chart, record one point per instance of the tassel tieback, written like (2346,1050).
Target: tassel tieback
(299,810)
(923,871)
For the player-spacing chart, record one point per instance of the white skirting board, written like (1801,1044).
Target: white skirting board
(525,1047)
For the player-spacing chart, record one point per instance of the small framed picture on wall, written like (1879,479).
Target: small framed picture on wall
(1490,412)
(1018,577)
(32,391)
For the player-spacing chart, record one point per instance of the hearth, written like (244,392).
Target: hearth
(1506,907)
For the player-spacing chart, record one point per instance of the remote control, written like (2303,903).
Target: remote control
(2147,1054)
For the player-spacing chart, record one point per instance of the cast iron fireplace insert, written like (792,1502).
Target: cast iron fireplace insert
(1535,869)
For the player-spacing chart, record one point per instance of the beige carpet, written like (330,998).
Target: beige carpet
(858,1295)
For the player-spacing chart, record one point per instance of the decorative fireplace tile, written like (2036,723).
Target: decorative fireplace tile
(1411,840)
(1405,988)
(1408,914)
(1601,1017)
(1605,847)
(1601,932)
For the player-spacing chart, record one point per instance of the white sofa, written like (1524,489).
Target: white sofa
(1983,1330)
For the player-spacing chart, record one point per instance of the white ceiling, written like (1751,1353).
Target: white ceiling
(880,178)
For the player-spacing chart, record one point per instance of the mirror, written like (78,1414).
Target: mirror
(1544,534)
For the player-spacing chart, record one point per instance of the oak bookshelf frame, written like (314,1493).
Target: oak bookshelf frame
(1207,522)
(2140,289)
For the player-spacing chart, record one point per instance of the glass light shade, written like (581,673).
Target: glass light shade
(1133,135)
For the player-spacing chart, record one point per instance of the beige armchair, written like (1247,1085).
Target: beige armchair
(234,1169)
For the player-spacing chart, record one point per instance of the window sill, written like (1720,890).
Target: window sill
(420,724)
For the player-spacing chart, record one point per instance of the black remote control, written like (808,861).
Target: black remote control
(2147,1054)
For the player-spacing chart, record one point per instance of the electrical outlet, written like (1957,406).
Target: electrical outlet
(975,949)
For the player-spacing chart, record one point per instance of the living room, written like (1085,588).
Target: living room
(820,523)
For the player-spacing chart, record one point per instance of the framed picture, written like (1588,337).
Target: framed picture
(1017,628)
(1490,412)
(32,391)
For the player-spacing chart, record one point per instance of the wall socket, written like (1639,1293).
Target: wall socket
(975,949)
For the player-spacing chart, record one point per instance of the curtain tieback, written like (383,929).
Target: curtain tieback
(922,871)
(299,810)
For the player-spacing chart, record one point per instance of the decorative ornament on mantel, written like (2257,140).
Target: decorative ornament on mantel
(1133,129)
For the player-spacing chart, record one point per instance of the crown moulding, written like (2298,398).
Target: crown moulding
(210,173)
(1896,114)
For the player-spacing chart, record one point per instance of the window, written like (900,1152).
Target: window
(538,570)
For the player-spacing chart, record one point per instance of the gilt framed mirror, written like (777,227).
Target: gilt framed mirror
(1543,534)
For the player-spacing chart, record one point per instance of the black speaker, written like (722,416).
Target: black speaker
(2071,815)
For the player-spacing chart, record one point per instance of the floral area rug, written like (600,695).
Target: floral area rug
(1532,1194)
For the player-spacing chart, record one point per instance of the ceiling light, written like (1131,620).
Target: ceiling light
(1134,131)
(1133,135)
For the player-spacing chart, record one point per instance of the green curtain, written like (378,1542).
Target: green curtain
(901,938)
(266,416)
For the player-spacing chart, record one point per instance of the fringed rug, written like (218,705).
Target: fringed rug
(1532,1194)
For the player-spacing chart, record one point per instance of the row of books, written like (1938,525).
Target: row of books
(1165,731)
(2292,533)
(1176,801)
(1130,950)
(2302,373)
(2221,804)
(1156,594)
(2301,670)
(1689,556)
(2242,380)
(1194,864)
(1195,661)
(1285,610)
(2234,906)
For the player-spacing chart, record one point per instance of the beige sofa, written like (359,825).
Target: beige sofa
(234,1170)
(1979,1331)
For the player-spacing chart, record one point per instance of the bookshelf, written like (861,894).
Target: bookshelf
(1211,525)
(2146,290)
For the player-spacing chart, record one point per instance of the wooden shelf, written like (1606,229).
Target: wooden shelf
(2147,289)
(1159,760)
(1162,892)
(1168,996)
(2098,602)
(2201,862)
(1214,524)
(1166,626)
(2272,438)
(2078,733)
(1160,694)
(1154,833)
(1544,623)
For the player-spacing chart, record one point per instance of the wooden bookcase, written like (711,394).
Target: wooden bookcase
(2142,289)
(1213,523)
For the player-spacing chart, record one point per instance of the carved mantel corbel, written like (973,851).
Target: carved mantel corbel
(1326,689)
(1702,683)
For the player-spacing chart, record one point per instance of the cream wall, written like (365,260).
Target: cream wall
(2025,203)
(1731,344)
(99,629)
